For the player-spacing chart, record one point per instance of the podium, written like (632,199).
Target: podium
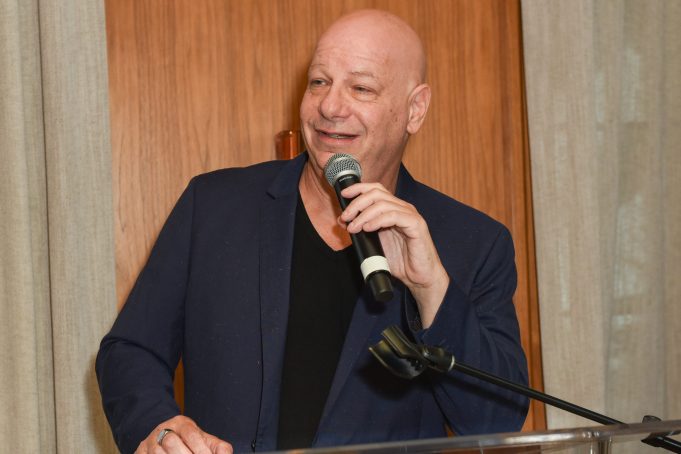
(619,438)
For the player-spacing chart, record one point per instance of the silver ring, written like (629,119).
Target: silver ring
(161,435)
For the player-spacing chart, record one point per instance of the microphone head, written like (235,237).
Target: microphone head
(339,165)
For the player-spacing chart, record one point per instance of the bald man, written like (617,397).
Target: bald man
(254,283)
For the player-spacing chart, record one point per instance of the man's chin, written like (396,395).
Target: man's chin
(320,158)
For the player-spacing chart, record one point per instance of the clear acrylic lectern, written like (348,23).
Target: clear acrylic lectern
(620,438)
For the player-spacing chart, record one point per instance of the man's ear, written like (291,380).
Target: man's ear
(418,106)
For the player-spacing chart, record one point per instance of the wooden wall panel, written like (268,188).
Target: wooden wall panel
(196,86)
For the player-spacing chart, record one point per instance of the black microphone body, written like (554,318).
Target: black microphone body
(367,245)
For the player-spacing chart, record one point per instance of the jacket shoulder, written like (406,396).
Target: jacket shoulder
(443,211)
(241,178)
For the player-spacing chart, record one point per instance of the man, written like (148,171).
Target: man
(252,281)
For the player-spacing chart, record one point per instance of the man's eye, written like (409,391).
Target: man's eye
(364,91)
(316,83)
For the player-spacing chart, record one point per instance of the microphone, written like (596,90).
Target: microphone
(342,171)
(408,359)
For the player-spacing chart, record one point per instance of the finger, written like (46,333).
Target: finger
(365,189)
(172,443)
(218,446)
(384,215)
(195,439)
(368,199)
(388,220)
(156,449)
(360,188)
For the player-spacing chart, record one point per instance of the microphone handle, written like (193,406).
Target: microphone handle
(367,245)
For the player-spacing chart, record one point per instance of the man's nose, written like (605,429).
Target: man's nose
(334,104)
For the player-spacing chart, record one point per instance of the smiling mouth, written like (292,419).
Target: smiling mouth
(334,135)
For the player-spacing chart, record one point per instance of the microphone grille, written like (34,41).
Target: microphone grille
(341,164)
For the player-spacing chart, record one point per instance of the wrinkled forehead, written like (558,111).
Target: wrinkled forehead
(373,41)
(352,57)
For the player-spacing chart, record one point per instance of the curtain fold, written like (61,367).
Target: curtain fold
(604,110)
(57,291)
(26,381)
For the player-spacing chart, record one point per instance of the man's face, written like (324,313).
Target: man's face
(356,102)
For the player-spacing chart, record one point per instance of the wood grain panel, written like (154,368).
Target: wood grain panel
(196,86)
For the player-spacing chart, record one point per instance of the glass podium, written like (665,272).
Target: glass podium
(620,438)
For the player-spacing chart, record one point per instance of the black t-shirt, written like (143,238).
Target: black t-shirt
(325,285)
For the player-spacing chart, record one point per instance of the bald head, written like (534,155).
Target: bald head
(366,93)
(382,33)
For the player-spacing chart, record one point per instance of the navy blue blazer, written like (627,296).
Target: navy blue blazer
(215,291)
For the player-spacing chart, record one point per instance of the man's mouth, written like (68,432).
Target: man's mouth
(336,135)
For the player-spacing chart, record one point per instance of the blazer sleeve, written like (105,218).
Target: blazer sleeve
(137,358)
(479,326)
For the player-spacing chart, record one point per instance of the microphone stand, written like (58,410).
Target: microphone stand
(406,359)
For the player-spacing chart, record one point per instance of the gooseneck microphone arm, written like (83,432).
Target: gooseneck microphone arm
(408,360)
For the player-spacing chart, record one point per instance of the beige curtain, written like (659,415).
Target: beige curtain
(56,237)
(604,104)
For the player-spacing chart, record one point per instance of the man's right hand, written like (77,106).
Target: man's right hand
(185,438)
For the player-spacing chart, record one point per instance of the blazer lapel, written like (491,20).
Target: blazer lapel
(363,324)
(276,248)
(276,242)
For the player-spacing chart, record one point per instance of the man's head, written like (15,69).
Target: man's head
(366,92)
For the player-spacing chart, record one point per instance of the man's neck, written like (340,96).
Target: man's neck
(322,208)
